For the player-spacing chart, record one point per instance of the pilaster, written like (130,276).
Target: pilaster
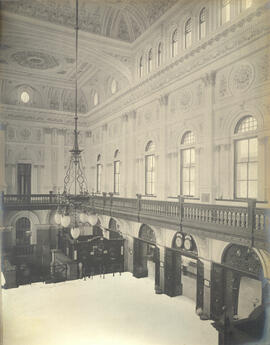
(47,176)
(162,167)
(3,185)
(207,176)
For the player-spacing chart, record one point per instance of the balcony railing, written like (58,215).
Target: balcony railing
(247,223)
(34,201)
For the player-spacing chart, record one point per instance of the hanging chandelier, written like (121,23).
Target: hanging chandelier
(71,210)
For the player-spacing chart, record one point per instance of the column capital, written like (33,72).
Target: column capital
(163,99)
(47,130)
(61,131)
(88,134)
(209,79)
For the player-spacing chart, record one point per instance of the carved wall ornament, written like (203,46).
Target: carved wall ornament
(222,89)
(263,67)
(25,133)
(35,60)
(241,77)
(10,133)
(243,258)
(185,100)
(163,100)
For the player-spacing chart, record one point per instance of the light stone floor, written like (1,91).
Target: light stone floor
(118,310)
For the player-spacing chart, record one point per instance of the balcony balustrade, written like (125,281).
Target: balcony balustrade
(242,224)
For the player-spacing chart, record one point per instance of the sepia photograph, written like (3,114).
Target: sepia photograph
(135,172)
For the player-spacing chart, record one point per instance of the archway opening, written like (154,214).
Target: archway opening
(146,254)
(23,231)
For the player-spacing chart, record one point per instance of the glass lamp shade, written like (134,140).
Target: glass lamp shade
(83,217)
(75,232)
(92,219)
(57,218)
(65,221)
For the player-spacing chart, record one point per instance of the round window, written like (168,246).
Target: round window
(25,97)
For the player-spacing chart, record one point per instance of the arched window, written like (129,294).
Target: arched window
(159,54)
(23,227)
(202,24)
(116,173)
(225,11)
(188,164)
(174,43)
(141,67)
(188,33)
(150,60)
(99,173)
(113,86)
(96,99)
(150,168)
(246,158)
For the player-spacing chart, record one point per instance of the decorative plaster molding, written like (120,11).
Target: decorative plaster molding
(233,38)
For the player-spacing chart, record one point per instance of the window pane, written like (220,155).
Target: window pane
(192,174)
(202,30)
(246,124)
(252,171)
(186,157)
(241,172)
(192,155)
(253,149)
(252,189)
(248,3)
(185,174)
(188,40)
(186,188)
(241,191)
(192,188)
(242,151)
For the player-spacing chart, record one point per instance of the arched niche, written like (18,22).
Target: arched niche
(147,234)
(114,228)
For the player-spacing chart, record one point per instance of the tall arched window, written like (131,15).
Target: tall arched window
(202,24)
(188,33)
(150,168)
(188,164)
(159,54)
(116,173)
(141,67)
(150,60)
(225,11)
(99,173)
(246,158)
(23,227)
(174,43)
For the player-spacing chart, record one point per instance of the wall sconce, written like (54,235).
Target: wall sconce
(130,251)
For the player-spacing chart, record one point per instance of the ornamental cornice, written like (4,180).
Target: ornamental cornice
(11,112)
(233,38)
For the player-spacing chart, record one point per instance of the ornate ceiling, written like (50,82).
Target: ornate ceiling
(38,56)
(124,20)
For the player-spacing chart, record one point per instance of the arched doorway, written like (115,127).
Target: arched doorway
(237,293)
(181,266)
(114,233)
(23,231)
(146,254)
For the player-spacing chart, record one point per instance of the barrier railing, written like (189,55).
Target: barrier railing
(231,219)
